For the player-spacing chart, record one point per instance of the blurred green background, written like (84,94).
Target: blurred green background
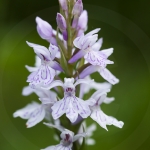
(125,25)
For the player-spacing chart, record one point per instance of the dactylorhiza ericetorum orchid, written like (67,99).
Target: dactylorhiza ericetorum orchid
(70,104)
(35,112)
(61,78)
(89,49)
(46,72)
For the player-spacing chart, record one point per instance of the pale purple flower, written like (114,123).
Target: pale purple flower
(84,43)
(61,22)
(67,137)
(89,49)
(46,72)
(35,112)
(98,115)
(70,104)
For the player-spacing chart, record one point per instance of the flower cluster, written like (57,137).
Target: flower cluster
(75,56)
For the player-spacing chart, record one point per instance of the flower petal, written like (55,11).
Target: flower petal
(96,58)
(99,93)
(37,116)
(78,41)
(37,61)
(41,51)
(98,116)
(89,41)
(27,91)
(59,108)
(43,77)
(103,120)
(26,112)
(81,107)
(108,100)
(31,69)
(108,52)
(54,84)
(97,46)
(81,81)
(107,75)
(93,32)
(71,112)
(53,51)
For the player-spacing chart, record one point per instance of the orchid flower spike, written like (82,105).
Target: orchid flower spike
(46,72)
(98,115)
(67,137)
(70,104)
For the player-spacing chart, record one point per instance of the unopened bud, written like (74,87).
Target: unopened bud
(44,29)
(61,22)
(78,8)
(63,4)
(83,19)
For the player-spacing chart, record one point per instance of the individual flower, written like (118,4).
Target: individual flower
(67,137)
(89,49)
(70,104)
(98,115)
(46,72)
(35,112)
